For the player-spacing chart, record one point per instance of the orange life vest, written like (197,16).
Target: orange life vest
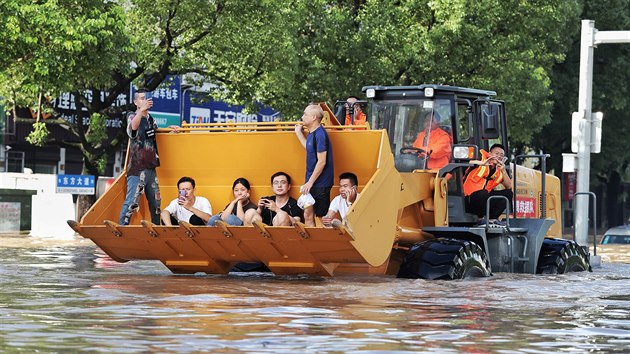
(358,120)
(479,178)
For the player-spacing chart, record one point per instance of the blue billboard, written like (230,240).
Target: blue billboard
(172,106)
(167,102)
(199,108)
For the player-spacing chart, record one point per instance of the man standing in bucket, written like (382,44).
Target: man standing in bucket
(143,159)
(319,162)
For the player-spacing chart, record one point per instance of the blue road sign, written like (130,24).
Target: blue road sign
(75,184)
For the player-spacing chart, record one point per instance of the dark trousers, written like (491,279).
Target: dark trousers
(194,220)
(322,200)
(476,202)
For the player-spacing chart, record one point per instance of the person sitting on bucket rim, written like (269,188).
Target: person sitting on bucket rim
(189,207)
(340,205)
(234,212)
(480,183)
(279,209)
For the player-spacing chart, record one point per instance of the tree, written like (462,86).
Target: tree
(91,46)
(611,95)
(280,53)
(506,46)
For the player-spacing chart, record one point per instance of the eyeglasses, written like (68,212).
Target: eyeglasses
(278,183)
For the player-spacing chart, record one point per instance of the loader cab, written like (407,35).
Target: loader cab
(470,117)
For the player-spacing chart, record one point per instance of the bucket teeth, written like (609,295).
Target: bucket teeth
(223,226)
(261,228)
(149,226)
(113,227)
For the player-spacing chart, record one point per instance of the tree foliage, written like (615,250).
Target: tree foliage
(506,46)
(278,52)
(76,46)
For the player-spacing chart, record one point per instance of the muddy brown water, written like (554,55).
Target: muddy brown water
(67,296)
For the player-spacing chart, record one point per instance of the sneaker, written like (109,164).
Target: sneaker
(499,222)
(496,223)
(482,222)
(336,223)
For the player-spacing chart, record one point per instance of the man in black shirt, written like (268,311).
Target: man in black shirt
(143,159)
(279,209)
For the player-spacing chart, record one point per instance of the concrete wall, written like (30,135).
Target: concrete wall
(50,209)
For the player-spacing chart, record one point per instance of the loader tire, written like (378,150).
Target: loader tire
(445,259)
(559,256)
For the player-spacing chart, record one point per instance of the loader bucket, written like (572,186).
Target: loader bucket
(215,155)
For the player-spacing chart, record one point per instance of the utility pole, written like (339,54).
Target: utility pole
(588,125)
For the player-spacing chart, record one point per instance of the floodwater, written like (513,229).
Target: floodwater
(67,296)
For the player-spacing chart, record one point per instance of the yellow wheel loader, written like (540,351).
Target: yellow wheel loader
(410,219)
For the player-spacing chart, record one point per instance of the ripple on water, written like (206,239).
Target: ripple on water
(70,298)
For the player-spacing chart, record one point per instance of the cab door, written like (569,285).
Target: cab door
(489,123)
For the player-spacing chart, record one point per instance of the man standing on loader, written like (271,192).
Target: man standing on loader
(143,159)
(319,162)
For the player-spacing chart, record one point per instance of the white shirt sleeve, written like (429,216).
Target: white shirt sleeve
(172,207)
(335,205)
(203,204)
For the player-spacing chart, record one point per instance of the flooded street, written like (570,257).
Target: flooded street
(67,296)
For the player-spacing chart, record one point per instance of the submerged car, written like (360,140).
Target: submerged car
(617,235)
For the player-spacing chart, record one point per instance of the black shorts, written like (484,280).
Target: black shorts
(322,200)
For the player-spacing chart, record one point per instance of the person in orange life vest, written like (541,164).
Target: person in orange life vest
(354,113)
(436,143)
(480,182)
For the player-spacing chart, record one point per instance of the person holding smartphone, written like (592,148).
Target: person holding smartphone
(187,206)
(143,160)
(481,182)
(354,112)
(340,205)
(279,209)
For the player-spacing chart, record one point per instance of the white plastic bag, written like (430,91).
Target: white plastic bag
(305,201)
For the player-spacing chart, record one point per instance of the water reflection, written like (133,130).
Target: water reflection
(72,297)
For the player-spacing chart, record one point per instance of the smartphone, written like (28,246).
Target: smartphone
(182,195)
(148,95)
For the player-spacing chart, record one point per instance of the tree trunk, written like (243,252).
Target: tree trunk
(84,201)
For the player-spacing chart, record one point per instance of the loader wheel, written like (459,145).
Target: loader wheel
(445,259)
(559,256)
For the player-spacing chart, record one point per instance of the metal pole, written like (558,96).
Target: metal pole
(590,38)
(584,143)
(543,171)
(594,217)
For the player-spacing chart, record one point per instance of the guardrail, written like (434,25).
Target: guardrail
(253,126)
(543,168)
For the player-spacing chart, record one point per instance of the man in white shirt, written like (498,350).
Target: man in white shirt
(348,184)
(187,207)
